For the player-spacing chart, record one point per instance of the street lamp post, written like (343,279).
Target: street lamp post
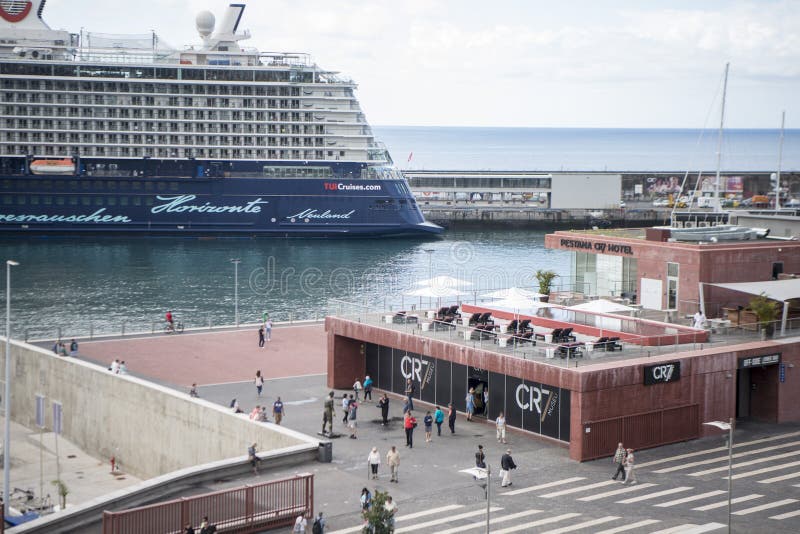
(729,427)
(7,394)
(236,262)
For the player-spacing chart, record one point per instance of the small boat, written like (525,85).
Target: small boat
(722,232)
(53,166)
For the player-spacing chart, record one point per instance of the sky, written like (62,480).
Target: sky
(515,63)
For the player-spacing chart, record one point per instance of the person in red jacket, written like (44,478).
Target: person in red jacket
(170,320)
(409,423)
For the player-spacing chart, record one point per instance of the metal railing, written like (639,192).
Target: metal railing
(251,508)
(191,319)
(671,338)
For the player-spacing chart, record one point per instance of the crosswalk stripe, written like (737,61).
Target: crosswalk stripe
(405,517)
(778,479)
(724,458)
(688,499)
(720,504)
(585,524)
(627,489)
(787,515)
(717,449)
(767,506)
(632,526)
(543,486)
(764,470)
(526,526)
(673,530)
(745,464)
(492,521)
(576,490)
(655,495)
(708,527)
(446,519)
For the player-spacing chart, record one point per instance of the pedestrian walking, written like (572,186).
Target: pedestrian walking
(451,418)
(367,388)
(318,527)
(393,461)
(438,418)
(345,407)
(428,420)
(300,524)
(405,405)
(357,388)
(365,500)
(268,329)
(506,466)
(409,423)
(265,317)
(486,401)
(352,417)
(500,424)
(470,399)
(261,337)
(251,455)
(278,410)
(384,405)
(480,458)
(374,460)
(390,507)
(259,382)
(327,414)
(619,460)
(193,390)
(630,469)
(410,393)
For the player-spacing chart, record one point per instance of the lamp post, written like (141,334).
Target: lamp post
(729,427)
(7,394)
(236,262)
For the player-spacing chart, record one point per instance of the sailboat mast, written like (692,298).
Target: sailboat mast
(717,203)
(780,159)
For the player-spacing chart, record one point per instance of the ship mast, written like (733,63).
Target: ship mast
(780,159)
(717,203)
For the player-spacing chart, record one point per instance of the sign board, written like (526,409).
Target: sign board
(759,361)
(662,373)
(638,189)
(40,411)
(57,417)
(782,373)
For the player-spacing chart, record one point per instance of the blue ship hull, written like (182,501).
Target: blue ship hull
(222,205)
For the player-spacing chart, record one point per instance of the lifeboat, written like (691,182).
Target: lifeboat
(53,166)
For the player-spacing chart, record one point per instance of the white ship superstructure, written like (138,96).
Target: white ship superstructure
(97,95)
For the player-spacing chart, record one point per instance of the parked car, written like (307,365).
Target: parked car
(792,203)
(661,203)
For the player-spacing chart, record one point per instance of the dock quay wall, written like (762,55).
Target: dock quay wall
(151,429)
(466,216)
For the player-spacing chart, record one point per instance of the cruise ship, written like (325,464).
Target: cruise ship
(107,134)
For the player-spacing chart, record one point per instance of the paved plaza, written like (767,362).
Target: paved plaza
(681,487)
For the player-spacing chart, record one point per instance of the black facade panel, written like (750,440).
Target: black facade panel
(427,385)
(564,415)
(497,395)
(384,379)
(459,387)
(513,410)
(551,405)
(442,377)
(372,353)
(398,380)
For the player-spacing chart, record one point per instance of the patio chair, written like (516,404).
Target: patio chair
(524,325)
(442,313)
(570,350)
(512,327)
(444,324)
(486,318)
(601,343)
(613,344)
(453,310)
(473,320)
(556,333)
(566,335)
(522,338)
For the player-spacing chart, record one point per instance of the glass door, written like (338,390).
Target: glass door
(672,286)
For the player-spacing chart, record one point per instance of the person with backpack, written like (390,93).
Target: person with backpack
(318,527)
(367,388)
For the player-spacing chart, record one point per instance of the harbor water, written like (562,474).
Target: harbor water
(101,285)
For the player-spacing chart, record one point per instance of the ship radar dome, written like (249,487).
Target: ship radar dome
(205,23)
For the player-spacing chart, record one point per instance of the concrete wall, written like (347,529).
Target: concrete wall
(590,191)
(153,430)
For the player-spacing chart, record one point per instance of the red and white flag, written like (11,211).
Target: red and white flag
(410,157)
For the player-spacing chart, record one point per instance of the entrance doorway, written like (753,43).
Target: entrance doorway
(756,393)
(478,383)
